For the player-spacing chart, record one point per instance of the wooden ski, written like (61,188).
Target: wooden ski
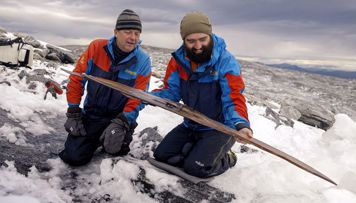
(198,117)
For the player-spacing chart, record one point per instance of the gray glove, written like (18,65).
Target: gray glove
(113,136)
(74,124)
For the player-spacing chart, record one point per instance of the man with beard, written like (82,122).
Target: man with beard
(207,78)
(108,118)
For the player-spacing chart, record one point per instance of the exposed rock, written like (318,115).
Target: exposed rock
(289,112)
(278,119)
(62,55)
(150,134)
(40,72)
(32,86)
(53,57)
(36,56)
(148,140)
(31,41)
(42,52)
(256,100)
(67,58)
(316,116)
(77,50)
(25,36)
(22,74)
(40,75)
(4,39)
(298,89)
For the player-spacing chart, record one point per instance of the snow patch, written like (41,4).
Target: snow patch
(13,134)
(16,184)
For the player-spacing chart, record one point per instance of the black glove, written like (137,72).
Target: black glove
(74,124)
(125,148)
(113,137)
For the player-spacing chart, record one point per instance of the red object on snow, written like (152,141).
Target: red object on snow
(57,88)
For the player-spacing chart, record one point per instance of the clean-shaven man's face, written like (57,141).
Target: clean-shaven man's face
(127,39)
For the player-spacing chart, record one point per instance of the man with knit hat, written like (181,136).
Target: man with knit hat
(108,118)
(207,78)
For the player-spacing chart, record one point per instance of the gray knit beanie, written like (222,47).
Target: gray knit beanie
(128,19)
(195,22)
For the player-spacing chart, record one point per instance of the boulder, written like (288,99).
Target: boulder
(62,54)
(4,38)
(316,116)
(39,76)
(277,118)
(53,57)
(289,112)
(28,39)
(31,41)
(22,74)
(67,58)
(37,56)
(42,52)
(148,139)
(150,134)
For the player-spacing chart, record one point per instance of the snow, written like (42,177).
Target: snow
(258,177)
(122,172)
(9,35)
(44,44)
(31,188)
(16,199)
(13,134)
(26,107)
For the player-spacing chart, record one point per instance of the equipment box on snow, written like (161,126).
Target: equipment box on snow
(14,53)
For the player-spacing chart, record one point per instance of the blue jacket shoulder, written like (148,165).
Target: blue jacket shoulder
(143,61)
(228,64)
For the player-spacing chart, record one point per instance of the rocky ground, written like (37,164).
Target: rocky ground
(310,98)
(288,95)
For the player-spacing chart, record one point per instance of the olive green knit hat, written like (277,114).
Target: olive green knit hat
(195,22)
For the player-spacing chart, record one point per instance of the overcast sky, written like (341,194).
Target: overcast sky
(307,30)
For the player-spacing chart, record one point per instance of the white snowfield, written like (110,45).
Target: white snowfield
(257,177)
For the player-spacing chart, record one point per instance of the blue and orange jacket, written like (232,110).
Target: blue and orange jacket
(102,101)
(215,88)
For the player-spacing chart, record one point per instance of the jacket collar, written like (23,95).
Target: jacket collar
(110,51)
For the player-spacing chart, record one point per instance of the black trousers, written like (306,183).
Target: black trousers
(79,150)
(207,155)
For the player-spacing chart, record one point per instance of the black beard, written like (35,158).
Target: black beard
(202,57)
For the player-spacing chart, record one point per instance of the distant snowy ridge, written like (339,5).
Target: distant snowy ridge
(322,70)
